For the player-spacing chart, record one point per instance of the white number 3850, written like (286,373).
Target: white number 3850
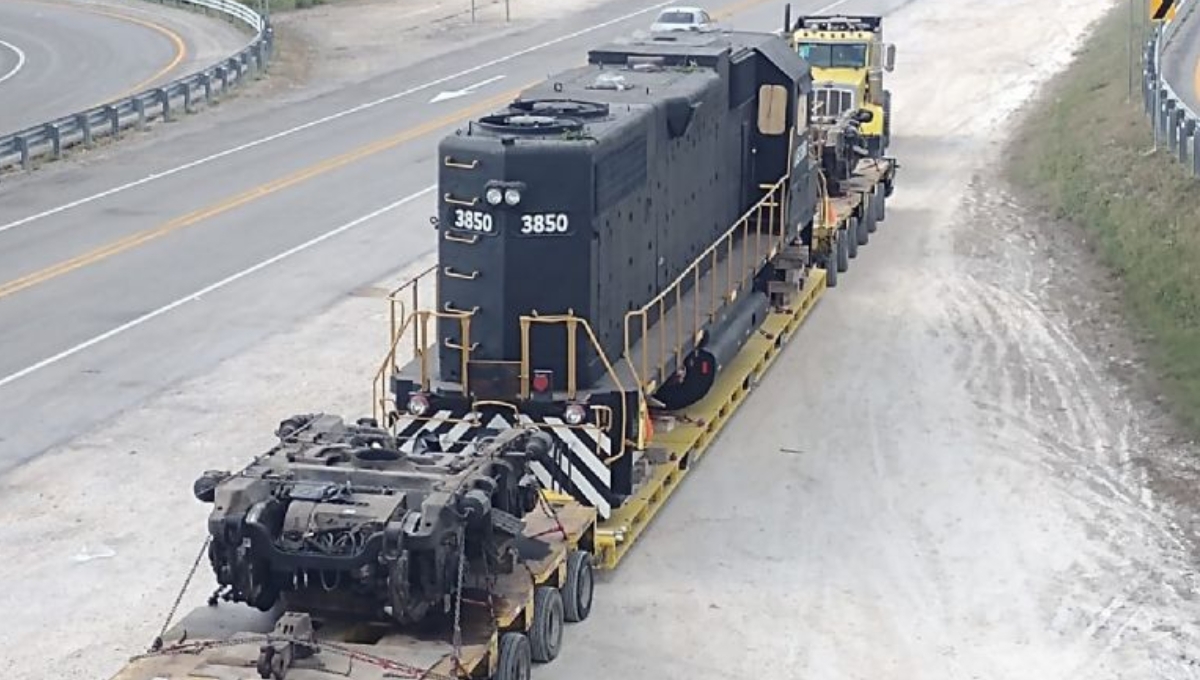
(545,223)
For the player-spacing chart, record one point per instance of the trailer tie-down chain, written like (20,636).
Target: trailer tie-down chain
(158,640)
(458,598)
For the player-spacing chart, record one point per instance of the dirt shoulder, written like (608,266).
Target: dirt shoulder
(1120,245)
(338,43)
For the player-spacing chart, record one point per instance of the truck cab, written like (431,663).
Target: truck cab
(848,57)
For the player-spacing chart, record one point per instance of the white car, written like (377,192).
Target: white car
(674,19)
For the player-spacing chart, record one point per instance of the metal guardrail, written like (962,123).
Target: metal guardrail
(53,137)
(1170,114)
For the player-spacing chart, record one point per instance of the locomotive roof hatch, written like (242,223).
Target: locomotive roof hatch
(706,50)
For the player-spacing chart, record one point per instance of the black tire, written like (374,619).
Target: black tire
(851,237)
(874,207)
(831,274)
(843,252)
(514,662)
(545,635)
(866,225)
(578,588)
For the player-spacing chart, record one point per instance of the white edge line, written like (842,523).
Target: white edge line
(20,60)
(148,316)
(320,121)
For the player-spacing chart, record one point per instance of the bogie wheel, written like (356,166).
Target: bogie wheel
(865,225)
(515,661)
(851,236)
(577,590)
(545,635)
(843,252)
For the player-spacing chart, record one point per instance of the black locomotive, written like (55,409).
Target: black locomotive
(590,195)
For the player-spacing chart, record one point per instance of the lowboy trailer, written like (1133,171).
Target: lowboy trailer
(624,251)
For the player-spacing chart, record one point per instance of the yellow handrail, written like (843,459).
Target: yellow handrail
(573,322)
(763,239)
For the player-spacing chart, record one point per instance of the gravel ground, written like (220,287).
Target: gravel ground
(979,489)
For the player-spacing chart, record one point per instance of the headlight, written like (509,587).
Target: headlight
(417,404)
(494,196)
(512,197)
(574,414)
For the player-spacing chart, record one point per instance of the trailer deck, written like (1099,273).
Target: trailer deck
(505,624)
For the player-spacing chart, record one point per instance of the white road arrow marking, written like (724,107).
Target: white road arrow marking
(452,94)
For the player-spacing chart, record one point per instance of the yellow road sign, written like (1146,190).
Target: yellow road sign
(1162,9)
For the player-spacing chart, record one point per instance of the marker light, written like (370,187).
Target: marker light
(574,414)
(418,404)
(512,196)
(494,196)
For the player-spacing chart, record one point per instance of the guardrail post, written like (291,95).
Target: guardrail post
(165,98)
(1187,128)
(187,96)
(1196,153)
(207,84)
(261,57)
(139,107)
(1173,117)
(114,120)
(1160,118)
(23,148)
(1147,93)
(85,127)
(52,131)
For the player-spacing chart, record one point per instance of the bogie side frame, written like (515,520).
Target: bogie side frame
(507,623)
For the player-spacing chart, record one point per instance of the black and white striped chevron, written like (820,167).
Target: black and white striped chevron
(577,465)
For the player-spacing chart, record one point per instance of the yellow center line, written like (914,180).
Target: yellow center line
(177,43)
(195,217)
(134,240)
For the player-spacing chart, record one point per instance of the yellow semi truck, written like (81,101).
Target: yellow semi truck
(848,57)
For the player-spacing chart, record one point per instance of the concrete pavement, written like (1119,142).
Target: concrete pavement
(100,267)
(57,58)
(938,478)
(1181,58)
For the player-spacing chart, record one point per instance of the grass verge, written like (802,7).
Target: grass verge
(1082,153)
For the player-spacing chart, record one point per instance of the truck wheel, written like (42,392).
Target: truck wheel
(545,635)
(880,205)
(831,274)
(866,224)
(851,237)
(843,252)
(514,662)
(577,590)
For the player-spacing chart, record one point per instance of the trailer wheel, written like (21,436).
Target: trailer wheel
(545,635)
(875,206)
(866,224)
(880,205)
(851,237)
(843,252)
(831,273)
(514,662)
(577,590)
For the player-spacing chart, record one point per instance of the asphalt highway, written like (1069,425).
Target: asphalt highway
(120,281)
(57,58)
(1181,59)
